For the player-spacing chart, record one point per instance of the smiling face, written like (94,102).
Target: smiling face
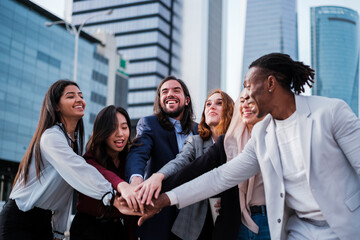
(117,141)
(213,110)
(255,83)
(248,112)
(71,105)
(172,99)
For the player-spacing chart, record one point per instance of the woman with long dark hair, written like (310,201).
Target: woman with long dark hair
(51,168)
(106,151)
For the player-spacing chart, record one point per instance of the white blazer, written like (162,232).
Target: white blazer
(330,137)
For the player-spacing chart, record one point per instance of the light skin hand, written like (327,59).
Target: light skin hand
(150,211)
(136,181)
(128,193)
(149,188)
(121,204)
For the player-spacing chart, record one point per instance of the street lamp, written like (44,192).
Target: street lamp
(76,32)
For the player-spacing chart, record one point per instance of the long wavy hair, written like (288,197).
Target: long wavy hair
(104,125)
(226,115)
(187,121)
(49,116)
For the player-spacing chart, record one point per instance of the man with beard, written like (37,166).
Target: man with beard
(308,151)
(159,138)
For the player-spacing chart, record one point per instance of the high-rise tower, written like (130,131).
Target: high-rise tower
(271,26)
(148,35)
(335,53)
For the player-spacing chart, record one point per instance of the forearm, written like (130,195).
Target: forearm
(215,181)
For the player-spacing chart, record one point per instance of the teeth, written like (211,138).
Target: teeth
(171,102)
(78,107)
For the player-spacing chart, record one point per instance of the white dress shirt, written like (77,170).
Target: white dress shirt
(62,171)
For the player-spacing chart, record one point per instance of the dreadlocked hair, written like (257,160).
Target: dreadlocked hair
(290,74)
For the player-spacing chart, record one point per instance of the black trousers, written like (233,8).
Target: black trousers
(15,224)
(87,227)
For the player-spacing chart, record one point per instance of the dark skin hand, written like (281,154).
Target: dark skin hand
(150,210)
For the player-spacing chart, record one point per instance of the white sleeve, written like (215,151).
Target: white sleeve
(242,167)
(72,167)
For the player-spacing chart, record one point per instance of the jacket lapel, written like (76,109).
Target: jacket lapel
(272,147)
(305,125)
(173,142)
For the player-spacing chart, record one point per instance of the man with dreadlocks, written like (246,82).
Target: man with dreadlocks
(307,148)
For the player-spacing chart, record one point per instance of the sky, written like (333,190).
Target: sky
(235,11)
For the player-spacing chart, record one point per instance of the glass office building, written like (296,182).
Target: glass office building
(32,57)
(335,53)
(148,35)
(271,26)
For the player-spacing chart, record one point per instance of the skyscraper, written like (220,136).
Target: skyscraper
(148,35)
(271,26)
(32,57)
(335,53)
(202,49)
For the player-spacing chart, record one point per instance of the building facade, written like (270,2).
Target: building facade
(335,53)
(271,26)
(202,52)
(148,35)
(32,57)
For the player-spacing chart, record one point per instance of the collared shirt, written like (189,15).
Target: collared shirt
(63,170)
(180,137)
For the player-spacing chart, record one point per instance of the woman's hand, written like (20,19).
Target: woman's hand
(149,188)
(130,196)
(121,204)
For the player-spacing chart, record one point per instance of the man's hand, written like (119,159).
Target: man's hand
(158,204)
(121,204)
(151,187)
(136,181)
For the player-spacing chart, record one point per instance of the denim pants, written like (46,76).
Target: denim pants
(264,233)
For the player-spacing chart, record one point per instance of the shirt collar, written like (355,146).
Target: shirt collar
(177,124)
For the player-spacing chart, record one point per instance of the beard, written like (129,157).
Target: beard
(175,113)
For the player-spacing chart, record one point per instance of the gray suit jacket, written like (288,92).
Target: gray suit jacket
(190,220)
(330,137)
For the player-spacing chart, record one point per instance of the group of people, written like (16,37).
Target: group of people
(283,166)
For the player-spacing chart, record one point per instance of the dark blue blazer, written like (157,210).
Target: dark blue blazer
(156,147)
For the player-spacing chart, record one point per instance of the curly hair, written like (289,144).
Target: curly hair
(226,115)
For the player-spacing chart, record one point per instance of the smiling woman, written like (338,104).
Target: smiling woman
(51,169)
(106,151)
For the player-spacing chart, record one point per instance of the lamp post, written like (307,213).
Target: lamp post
(76,32)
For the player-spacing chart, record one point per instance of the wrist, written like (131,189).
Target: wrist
(121,187)
(162,201)
(159,176)
(136,180)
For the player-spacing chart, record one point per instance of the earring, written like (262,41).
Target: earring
(270,91)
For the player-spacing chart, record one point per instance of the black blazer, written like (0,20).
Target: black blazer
(227,224)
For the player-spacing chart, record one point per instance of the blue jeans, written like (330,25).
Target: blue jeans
(263,234)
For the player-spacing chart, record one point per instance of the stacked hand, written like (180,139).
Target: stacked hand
(150,188)
(150,210)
